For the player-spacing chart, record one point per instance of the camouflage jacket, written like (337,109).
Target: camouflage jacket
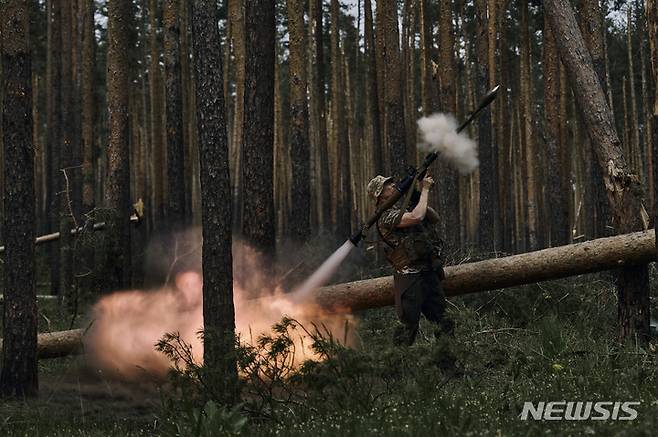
(421,242)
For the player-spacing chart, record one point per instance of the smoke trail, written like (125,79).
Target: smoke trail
(439,134)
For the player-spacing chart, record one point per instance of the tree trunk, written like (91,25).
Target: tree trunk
(527,129)
(88,103)
(372,91)
(66,215)
(174,105)
(117,184)
(394,107)
(593,32)
(54,72)
(19,376)
(485,144)
(652,31)
(622,186)
(157,161)
(237,36)
(218,311)
(257,165)
(339,129)
(558,194)
(300,225)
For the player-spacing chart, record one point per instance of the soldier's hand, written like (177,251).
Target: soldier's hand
(428,181)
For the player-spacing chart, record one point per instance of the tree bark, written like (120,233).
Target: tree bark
(257,164)
(622,185)
(527,130)
(652,32)
(394,107)
(117,260)
(317,112)
(558,194)
(88,103)
(485,144)
(372,90)
(238,39)
(218,311)
(174,105)
(53,102)
(19,376)
(157,161)
(300,224)
(339,129)
(592,24)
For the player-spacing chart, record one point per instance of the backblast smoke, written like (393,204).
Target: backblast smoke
(439,134)
(126,325)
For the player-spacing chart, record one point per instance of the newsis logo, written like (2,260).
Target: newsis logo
(569,410)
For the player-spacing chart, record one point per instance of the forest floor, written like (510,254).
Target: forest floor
(553,341)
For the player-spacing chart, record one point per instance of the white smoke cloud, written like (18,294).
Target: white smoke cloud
(439,134)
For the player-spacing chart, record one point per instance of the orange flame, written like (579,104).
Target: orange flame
(126,325)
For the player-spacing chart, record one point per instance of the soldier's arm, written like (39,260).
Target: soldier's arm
(417,215)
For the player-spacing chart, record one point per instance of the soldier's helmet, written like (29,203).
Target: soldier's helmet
(376,185)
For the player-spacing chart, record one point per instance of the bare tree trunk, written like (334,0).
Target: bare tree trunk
(339,129)
(218,311)
(634,145)
(623,187)
(257,165)
(558,194)
(237,36)
(157,140)
(19,375)
(394,112)
(300,224)
(527,128)
(174,105)
(448,190)
(88,103)
(117,261)
(66,217)
(593,32)
(485,147)
(652,32)
(372,90)
(54,72)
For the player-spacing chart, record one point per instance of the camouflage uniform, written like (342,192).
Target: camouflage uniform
(417,283)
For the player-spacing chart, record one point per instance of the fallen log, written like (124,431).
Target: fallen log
(58,344)
(558,262)
(554,263)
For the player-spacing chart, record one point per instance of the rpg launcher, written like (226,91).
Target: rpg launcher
(414,174)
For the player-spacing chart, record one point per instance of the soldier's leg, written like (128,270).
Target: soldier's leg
(408,302)
(434,303)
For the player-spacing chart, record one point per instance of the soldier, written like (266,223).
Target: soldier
(415,258)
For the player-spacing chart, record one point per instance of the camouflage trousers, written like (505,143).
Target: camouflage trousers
(416,294)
